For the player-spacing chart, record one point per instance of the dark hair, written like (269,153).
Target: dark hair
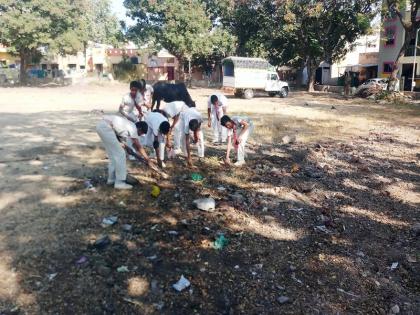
(194,124)
(213,99)
(143,83)
(134,84)
(164,127)
(142,126)
(225,119)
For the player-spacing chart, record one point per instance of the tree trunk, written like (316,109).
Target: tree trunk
(189,72)
(393,76)
(22,73)
(311,67)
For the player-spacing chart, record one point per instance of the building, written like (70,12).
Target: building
(392,39)
(362,61)
(7,60)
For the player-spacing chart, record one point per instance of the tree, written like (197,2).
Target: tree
(300,33)
(409,22)
(184,27)
(101,24)
(28,26)
(311,32)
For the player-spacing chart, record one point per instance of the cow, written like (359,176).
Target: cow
(169,92)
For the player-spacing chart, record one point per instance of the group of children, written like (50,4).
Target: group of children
(137,126)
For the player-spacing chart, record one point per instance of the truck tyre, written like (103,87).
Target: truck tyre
(284,92)
(248,94)
(272,94)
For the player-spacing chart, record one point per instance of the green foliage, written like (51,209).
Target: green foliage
(187,28)
(125,70)
(101,24)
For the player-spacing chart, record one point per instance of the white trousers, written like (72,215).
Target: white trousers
(177,135)
(150,138)
(241,147)
(117,167)
(200,144)
(219,132)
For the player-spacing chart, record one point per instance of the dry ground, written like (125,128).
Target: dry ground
(320,221)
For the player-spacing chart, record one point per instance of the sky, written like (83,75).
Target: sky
(118,8)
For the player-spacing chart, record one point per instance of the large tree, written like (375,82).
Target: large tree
(187,28)
(298,33)
(31,25)
(101,24)
(409,21)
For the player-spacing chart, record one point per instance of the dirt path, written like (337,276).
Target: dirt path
(313,227)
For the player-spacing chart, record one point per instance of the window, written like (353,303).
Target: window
(390,36)
(274,77)
(388,67)
(390,14)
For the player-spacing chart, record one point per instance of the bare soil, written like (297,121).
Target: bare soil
(328,222)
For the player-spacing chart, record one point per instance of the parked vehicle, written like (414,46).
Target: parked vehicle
(383,83)
(245,76)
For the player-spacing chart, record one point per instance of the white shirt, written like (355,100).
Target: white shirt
(175,108)
(128,105)
(187,115)
(121,126)
(153,120)
(238,121)
(223,102)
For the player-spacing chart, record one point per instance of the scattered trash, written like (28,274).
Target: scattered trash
(102,242)
(127,227)
(45,167)
(82,260)
(159,306)
(172,232)
(221,188)
(411,259)
(155,191)
(89,186)
(51,276)
(220,242)
(182,284)
(196,177)
(236,267)
(153,257)
(322,228)
(122,269)
(109,221)
(348,293)
(122,203)
(283,299)
(205,204)
(394,266)
(395,309)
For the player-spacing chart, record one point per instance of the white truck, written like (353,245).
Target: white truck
(244,76)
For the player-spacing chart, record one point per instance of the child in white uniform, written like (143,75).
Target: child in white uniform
(190,122)
(216,108)
(114,132)
(158,129)
(131,104)
(239,129)
(173,110)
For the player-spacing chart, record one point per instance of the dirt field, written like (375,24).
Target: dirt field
(326,225)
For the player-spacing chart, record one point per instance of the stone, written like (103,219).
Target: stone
(289,139)
(416,229)
(205,204)
(395,309)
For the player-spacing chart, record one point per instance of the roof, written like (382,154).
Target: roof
(163,53)
(245,62)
